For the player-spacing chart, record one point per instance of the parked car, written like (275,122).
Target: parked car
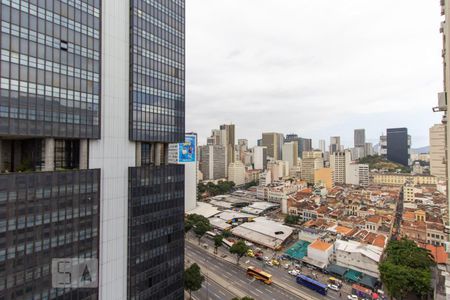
(293,272)
(269,263)
(286,266)
(259,257)
(266,258)
(275,262)
(333,287)
(352,297)
(250,253)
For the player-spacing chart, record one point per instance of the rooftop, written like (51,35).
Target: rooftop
(321,245)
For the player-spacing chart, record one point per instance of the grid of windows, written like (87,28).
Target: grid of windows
(157,71)
(44,216)
(156,232)
(50,68)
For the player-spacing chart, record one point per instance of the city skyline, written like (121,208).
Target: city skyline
(314,91)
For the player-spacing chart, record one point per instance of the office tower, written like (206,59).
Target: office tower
(338,163)
(278,168)
(357,152)
(437,151)
(290,153)
(228,140)
(236,173)
(259,142)
(303,144)
(215,138)
(212,162)
(307,144)
(383,145)
(259,158)
(360,138)
(273,141)
(312,161)
(335,144)
(398,145)
(186,154)
(322,146)
(368,149)
(242,147)
(85,100)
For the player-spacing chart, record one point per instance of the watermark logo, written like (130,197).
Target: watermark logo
(75,273)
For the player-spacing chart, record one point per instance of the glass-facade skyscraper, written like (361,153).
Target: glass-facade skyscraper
(92,93)
(398,145)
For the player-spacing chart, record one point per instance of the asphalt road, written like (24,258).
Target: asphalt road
(212,291)
(279,274)
(236,276)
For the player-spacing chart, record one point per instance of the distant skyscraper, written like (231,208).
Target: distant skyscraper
(260,158)
(368,149)
(307,144)
(273,141)
(437,151)
(322,146)
(383,145)
(335,144)
(228,140)
(212,162)
(398,145)
(242,147)
(290,153)
(360,138)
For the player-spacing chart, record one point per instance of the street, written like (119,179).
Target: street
(235,277)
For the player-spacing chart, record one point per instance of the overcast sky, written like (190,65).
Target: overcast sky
(315,68)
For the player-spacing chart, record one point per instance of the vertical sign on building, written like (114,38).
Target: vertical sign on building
(186,154)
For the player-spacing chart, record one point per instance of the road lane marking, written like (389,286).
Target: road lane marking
(259,291)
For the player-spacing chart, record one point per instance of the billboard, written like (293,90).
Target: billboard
(187,151)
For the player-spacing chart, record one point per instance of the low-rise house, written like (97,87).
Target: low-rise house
(358,256)
(319,254)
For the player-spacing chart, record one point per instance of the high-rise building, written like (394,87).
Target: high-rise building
(437,151)
(236,172)
(368,149)
(335,144)
(322,146)
(87,111)
(312,161)
(290,153)
(215,138)
(360,138)
(338,163)
(383,145)
(259,158)
(398,145)
(212,162)
(273,141)
(242,147)
(307,144)
(228,140)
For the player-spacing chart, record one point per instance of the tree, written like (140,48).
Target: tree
(218,240)
(226,234)
(239,248)
(193,279)
(188,226)
(200,228)
(291,219)
(406,269)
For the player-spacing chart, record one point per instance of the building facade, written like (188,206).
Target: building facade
(236,173)
(335,144)
(312,161)
(398,145)
(437,151)
(91,96)
(212,162)
(290,153)
(338,163)
(273,141)
(260,158)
